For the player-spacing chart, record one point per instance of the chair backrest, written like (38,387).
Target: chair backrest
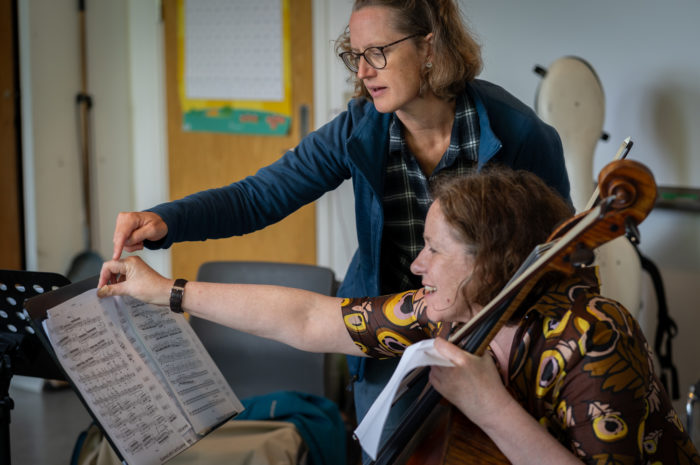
(253,365)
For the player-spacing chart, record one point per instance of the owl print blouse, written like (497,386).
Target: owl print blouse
(579,364)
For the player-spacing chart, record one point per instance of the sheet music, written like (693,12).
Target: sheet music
(143,371)
(146,427)
(369,431)
(189,370)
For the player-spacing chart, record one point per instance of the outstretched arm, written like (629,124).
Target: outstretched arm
(302,319)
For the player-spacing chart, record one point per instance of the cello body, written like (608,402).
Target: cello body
(455,440)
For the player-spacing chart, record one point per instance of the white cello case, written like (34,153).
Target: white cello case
(570,98)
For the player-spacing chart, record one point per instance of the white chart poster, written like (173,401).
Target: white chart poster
(233,50)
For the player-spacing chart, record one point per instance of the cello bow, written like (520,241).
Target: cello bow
(433,432)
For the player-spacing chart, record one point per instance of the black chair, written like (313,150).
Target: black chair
(253,365)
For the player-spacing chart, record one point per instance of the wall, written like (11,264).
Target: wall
(335,211)
(124,67)
(49,82)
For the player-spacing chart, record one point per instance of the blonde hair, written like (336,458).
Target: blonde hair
(456,55)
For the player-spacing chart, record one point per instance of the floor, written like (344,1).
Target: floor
(44,425)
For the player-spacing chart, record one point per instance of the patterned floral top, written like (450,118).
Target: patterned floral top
(570,344)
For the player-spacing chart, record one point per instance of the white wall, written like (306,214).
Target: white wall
(124,60)
(646,54)
(49,81)
(335,218)
(148,157)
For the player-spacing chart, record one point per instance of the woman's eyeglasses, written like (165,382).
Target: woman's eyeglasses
(374,56)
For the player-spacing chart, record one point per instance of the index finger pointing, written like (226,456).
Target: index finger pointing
(118,240)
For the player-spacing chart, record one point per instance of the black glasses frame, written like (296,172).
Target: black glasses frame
(349,56)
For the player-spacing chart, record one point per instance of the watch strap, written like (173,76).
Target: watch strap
(176,294)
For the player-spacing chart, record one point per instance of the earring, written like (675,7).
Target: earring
(429,64)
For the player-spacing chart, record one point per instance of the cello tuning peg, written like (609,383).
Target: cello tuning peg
(631,230)
(540,71)
(582,257)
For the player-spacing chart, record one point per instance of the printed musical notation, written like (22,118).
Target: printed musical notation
(143,373)
(172,345)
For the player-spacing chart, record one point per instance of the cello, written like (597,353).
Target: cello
(433,431)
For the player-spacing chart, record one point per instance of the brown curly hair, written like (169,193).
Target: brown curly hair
(500,215)
(456,55)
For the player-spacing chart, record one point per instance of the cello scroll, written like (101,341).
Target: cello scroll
(628,193)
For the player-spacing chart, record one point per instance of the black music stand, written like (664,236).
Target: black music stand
(21,351)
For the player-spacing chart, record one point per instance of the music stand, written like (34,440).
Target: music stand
(21,351)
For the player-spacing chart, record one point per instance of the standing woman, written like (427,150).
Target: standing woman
(418,111)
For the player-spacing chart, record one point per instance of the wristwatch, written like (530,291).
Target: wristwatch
(176,295)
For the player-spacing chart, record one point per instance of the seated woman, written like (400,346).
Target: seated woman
(569,378)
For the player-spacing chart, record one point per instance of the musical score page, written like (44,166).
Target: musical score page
(113,379)
(98,342)
(167,342)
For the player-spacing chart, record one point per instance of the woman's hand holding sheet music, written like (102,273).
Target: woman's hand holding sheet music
(131,276)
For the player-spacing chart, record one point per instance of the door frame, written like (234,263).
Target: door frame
(12,255)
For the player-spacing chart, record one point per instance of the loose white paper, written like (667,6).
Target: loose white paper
(369,431)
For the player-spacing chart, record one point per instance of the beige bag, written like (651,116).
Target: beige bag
(96,450)
(253,442)
(238,442)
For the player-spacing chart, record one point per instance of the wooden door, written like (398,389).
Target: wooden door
(11,242)
(200,160)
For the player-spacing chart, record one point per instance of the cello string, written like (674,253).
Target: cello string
(558,245)
(621,154)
